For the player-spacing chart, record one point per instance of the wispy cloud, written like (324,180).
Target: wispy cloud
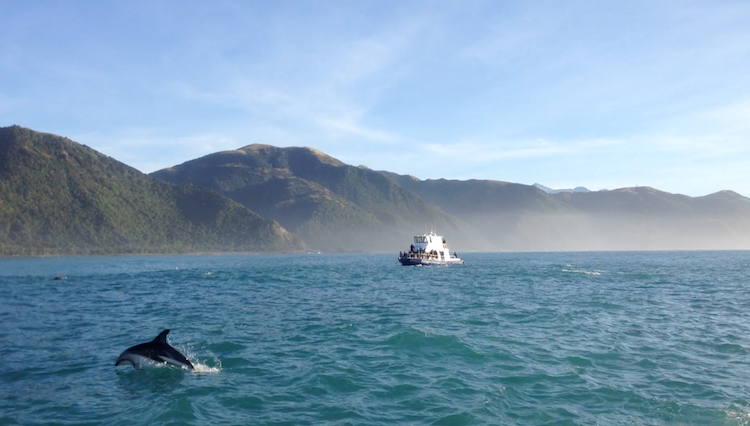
(545,91)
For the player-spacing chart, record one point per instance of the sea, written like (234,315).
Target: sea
(584,338)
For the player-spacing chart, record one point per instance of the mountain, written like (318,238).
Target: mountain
(556,191)
(330,205)
(646,218)
(509,216)
(60,197)
(522,217)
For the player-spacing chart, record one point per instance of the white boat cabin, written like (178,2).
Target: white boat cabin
(429,249)
(429,243)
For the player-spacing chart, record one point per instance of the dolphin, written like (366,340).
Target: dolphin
(157,350)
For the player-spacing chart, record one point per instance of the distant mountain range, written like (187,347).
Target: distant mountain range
(557,191)
(59,197)
(520,217)
(332,206)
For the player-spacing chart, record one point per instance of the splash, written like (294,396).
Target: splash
(737,415)
(200,368)
(573,270)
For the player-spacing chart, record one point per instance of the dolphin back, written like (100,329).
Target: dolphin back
(156,350)
(162,337)
(173,356)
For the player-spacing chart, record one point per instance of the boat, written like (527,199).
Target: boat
(429,250)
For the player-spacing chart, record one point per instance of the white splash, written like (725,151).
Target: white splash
(200,368)
(581,271)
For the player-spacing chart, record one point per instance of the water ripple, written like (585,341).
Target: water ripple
(512,338)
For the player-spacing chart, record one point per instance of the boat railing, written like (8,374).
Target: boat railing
(425,255)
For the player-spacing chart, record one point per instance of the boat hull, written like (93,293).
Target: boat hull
(415,261)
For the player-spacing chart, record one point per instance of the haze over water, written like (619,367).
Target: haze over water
(656,338)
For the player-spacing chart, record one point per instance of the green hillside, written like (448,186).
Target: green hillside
(60,197)
(331,205)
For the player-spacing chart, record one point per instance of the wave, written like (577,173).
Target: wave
(581,271)
(432,344)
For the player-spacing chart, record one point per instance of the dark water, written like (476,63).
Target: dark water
(513,339)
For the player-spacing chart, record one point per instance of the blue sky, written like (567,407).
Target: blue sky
(601,94)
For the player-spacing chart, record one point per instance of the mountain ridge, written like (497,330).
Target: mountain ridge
(331,205)
(556,191)
(524,217)
(60,197)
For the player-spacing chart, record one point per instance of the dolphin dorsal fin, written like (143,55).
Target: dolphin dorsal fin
(162,337)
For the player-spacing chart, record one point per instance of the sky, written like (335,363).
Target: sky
(600,94)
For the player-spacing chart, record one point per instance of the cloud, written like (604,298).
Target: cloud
(151,149)
(731,118)
(484,89)
(343,128)
(483,151)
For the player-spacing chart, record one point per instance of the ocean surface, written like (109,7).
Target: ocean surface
(624,338)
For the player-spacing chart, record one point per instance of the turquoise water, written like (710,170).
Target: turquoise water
(513,339)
